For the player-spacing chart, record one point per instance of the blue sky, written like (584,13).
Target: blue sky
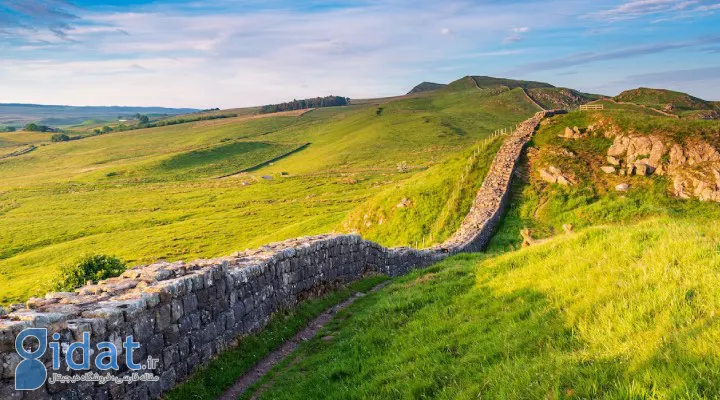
(232,53)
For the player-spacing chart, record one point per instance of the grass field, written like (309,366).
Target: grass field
(624,307)
(153,194)
(610,312)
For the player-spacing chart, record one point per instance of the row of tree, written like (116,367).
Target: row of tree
(318,102)
(33,127)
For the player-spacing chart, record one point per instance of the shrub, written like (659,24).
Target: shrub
(89,268)
(60,137)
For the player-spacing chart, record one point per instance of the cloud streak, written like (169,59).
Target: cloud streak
(602,56)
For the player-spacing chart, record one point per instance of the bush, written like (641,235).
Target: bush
(89,268)
(60,137)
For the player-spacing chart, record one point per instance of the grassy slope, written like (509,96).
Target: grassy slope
(148,194)
(607,313)
(625,310)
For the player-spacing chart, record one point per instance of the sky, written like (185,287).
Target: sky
(235,53)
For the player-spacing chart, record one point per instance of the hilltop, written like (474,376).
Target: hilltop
(677,103)
(426,87)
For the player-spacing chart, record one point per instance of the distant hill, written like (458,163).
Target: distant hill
(489,82)
(677,103)
(21,114)
(427,87)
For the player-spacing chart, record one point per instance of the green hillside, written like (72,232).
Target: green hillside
(669,101)
(152,194)
(621,307)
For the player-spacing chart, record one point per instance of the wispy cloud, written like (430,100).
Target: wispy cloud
(641,8)
(516,35)
(622,53)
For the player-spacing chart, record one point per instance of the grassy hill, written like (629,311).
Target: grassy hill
(677,103)
(426,87)
(152,194)
(622,307)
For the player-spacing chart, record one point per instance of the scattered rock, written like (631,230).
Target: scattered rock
(404,202)
(613,161)
(571,133)
(643,169)
(568,228)
(608,169)
(623,187)
(553,174)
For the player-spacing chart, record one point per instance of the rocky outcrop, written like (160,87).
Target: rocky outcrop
(693,167)
(184,313)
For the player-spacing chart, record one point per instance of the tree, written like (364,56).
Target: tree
(60,137)
(33,127)
(106,129)
(144,119)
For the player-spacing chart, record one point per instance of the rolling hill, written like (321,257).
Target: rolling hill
(21,114)
(168,199)
(600,281)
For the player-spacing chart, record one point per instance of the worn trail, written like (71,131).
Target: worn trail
(272,359)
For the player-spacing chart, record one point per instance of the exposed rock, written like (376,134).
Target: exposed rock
(623,187)
(404,202)
(642,168)
(613,161)
(608,169)
(571,133)
(553,174)
(568,228)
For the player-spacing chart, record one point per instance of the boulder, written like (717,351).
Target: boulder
(623,187)
(643,169)
(553,174)
(613,161)
(608,169)
(571,133)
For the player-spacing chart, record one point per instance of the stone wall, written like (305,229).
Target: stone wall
(184,313)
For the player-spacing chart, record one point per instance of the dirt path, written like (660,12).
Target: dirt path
(264,366)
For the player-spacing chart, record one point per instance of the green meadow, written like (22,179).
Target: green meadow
(156,194)
(625,307)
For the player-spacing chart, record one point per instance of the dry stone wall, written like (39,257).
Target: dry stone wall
(184,313)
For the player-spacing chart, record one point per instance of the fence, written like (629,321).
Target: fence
(586,107)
